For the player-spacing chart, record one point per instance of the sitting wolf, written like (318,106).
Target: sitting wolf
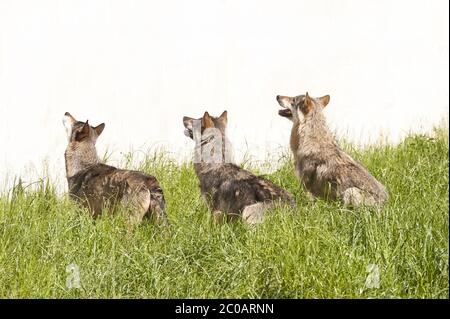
(95,184)
(324,168)
(229,190)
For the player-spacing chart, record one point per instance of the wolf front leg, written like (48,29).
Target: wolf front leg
(95,206)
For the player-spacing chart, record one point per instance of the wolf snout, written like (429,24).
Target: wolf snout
(283,101)
(280,100)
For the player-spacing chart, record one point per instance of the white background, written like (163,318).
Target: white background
(139,66)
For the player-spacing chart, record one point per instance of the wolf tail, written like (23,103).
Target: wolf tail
(266,190)
(157,206)
(289,199)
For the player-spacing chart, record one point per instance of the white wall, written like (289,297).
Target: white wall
(139,66)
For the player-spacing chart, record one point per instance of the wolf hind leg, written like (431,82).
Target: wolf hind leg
(254,214)
(139,202)
(309,196)
(218,217)
(355,197)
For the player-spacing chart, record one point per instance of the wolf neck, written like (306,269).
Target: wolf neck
(311,134)
(80,158)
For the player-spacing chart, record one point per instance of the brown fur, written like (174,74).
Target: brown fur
(229,190)
(324,169)
(96,185)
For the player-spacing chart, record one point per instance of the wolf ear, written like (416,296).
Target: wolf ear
(207,121)
(307,99)
(83,133)
(99,129)
(324,100)
(224,117)
(187,122)
(307,104)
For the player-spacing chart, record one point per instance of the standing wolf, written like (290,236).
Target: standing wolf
(229,190)
(95,184)
(323,167)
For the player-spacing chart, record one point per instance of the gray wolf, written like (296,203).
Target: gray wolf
(229,190)
(324,169)
(96,185)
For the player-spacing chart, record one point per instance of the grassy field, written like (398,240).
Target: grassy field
(319,250)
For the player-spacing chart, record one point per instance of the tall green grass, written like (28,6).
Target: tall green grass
(319,250)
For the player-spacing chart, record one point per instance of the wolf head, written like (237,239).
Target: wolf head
(80,152)
(209,134)
(301,106)
(205,122)
(81,132)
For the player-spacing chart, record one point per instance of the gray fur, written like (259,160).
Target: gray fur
(230,190)
(96,185)
(324,169)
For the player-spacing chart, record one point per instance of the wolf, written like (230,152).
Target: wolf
(324,169)
(96,185)
(230,191)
